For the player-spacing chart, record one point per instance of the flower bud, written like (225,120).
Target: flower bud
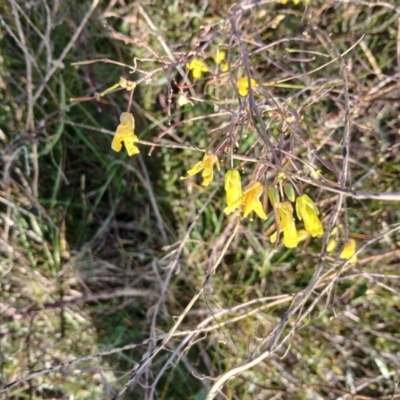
(289,191)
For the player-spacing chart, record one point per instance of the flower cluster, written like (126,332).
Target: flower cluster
(199,67)
(243,201)
(125,131)
(307,211)
(246,201)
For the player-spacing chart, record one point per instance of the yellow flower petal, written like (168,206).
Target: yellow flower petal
(290,238)
(285,213)
(116,144)
(207,166)
(207,179)
(251,200)
(224,67)
(307,210)
(219,56)
(230,209)
(287,224)
(125,133)
(243,85)
(208,171)
(348,251)
(130,145)
(196,168)
(331,245)
(233,186)
(302,234)
(197,67)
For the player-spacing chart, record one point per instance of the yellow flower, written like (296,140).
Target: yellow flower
(331,246)
(125,133)
(197,67)
(233,186)
(348,251)
(224,67)
(295,2)
(243,85)
(301,236)
(249,201)
(308,211)
(287,225)
(207,166)
(219,56)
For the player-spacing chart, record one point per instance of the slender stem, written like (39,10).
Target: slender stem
(130,101)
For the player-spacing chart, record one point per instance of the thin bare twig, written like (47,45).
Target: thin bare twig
(179,320)
(59,62)
(330,187)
